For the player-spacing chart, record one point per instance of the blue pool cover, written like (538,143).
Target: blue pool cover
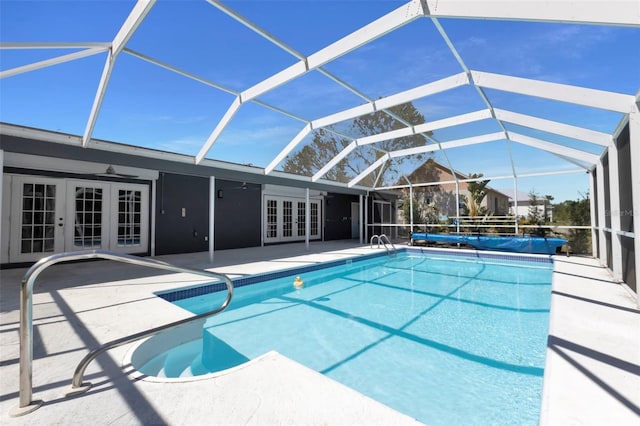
(540,245)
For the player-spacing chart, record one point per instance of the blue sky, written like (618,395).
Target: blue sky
(149,106)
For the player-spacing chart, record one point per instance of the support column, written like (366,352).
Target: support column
(154,190)
(634,140)
(263,214)
(601,214)
(366,217)
(411,208)
(457,206)
(307,221)
(593,211)
(515,202)
(614,211)
(394,219)
(361,219)
(212,214)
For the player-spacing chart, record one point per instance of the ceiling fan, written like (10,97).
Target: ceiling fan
(111,172)
(246,186)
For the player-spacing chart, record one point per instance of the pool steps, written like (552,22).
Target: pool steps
(26,403)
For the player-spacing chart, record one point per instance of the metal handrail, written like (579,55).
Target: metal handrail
(381,240)
(382,237)
(26,404)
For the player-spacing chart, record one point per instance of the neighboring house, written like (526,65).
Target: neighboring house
(544,207)
(441,199)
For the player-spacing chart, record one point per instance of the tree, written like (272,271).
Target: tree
(548,199)
(535,217)
(406,210)
(575,212)
(326,145)
(424,210)
(477,193)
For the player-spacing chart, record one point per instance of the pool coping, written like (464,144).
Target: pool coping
(592,364)
(548,406)
(596,313)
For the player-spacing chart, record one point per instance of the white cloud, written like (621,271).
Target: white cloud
(185,145)
(175,119)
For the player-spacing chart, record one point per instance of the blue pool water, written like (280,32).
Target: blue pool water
(446,340)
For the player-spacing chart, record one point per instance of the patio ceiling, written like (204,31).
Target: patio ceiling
(488,105)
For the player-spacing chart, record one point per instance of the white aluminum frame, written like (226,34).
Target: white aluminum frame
(610,13)
(634,135)
(135,18)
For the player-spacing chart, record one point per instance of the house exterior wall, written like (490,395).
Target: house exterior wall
(497,203)
(338,216)
(182,214)
(238,214)
(524,207)
(178,191)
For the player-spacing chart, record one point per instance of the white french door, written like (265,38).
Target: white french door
(56,215)
(285,219)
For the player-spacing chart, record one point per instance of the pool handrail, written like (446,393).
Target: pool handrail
(381,239)
(26,403)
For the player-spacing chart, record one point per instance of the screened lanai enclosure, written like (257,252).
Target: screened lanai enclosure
(493,117)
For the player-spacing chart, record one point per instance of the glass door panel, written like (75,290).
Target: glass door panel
(315,219)
(272,219)
(129,231)
(87,219)
(287,218)
(40,220)
(381,217)
(301,217)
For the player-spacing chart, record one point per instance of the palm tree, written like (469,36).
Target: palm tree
(477,193)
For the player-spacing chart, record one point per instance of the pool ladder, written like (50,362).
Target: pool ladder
(384,240)
(26,404)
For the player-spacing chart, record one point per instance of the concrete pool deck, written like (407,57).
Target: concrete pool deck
(592,374)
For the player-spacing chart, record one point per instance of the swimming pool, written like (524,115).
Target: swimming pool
(447,340)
